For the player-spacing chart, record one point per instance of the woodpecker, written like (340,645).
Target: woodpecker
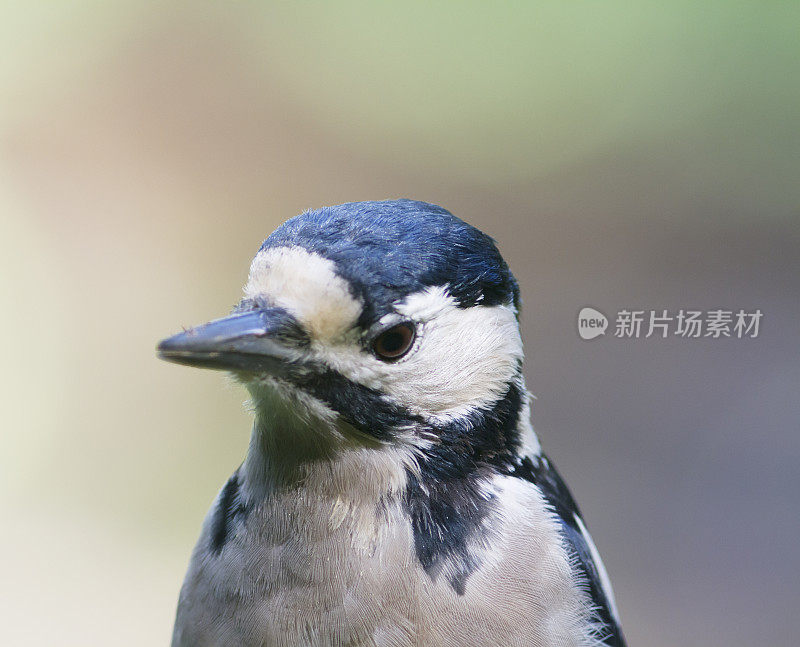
(394,492)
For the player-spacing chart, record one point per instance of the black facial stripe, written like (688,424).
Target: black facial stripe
(364,408)
(446,506)
(485,437)
(230,510)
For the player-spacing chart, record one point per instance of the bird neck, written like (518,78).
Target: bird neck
(294,448)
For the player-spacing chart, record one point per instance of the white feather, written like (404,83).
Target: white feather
(307,286)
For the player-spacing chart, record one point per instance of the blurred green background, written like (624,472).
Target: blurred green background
(641,155)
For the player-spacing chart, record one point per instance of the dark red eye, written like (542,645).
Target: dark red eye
(395,342)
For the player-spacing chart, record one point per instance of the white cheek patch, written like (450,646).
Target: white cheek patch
(463,358)
(307,286)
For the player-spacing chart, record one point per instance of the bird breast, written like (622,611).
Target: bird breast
(303,569)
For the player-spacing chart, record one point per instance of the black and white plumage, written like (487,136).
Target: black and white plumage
(394,492)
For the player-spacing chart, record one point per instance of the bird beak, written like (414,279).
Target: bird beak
(240,342)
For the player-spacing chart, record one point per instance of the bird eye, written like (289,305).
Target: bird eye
(395,342)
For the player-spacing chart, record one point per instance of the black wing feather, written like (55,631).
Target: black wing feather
(543,474)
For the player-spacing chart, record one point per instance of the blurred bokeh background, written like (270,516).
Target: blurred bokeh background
(641,155)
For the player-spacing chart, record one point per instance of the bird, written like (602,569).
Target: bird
(394,492)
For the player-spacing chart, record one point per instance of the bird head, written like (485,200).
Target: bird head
(380,323)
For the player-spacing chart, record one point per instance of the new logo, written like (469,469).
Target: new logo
(591,323)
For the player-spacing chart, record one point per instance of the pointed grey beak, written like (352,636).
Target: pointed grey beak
(261,341)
